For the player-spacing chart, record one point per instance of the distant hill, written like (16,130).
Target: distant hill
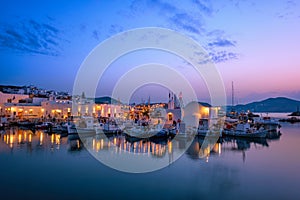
(279,104)
(106,100)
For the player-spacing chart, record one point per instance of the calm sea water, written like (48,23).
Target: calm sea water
(42,166)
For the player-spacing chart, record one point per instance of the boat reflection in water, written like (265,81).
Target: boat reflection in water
(243,144)
(197,147)
(203,149)
(119,143)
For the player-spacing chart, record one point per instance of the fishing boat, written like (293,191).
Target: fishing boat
(205,131)
(291,120)
(71,128)
(150,131)
(60,128)
(141,131)
(86,126)
(203,127)
(43,125)
(25,123)
(162,133)
(111,127)
(244,130)
(268,123)
(172,131)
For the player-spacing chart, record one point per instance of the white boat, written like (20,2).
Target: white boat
(112,128)
(208,131)
(71,128)
(172,131)
(86,125)
(268,123)
(244,130)
(141,131)
(149,131)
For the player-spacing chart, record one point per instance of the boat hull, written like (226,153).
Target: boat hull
(261,134)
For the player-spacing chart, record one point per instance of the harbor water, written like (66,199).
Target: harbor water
(49,166)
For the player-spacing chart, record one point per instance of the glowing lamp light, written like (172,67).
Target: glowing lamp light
(206,110)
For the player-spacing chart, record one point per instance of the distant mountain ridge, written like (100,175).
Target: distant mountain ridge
(106,100)
(278,104)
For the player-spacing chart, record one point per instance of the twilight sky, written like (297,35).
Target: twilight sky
(253,43)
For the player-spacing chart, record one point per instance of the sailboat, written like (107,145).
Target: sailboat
(232,113)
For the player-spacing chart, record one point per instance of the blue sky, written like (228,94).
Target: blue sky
(253,43)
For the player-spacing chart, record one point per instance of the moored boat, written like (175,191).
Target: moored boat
(291,120)
(111,128)
(43,126)
(244,130)
(25,123)
(268,123)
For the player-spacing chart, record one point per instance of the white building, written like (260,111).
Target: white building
(11,98)
(87,107)
(22,110)
(60,109)
(191,113)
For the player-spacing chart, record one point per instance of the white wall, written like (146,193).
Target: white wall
(17,97)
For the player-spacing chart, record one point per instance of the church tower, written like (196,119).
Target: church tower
(171,101)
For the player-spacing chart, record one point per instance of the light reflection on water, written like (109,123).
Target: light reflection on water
(231,168)
(19,139)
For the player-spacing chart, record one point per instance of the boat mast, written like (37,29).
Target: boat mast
(232,96)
